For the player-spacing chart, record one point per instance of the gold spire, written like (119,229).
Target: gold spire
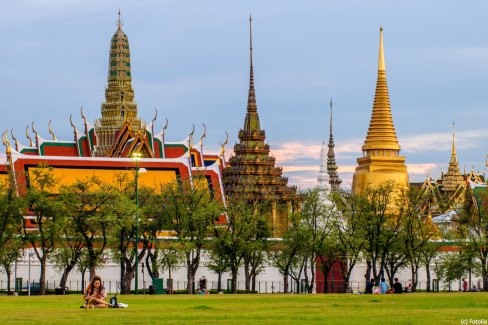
(453,178)
(381,59)
(381,133)
(453,149)
(381,161)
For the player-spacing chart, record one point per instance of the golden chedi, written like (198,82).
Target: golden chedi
(381,161)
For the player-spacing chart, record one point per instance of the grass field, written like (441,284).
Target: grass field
(415,308)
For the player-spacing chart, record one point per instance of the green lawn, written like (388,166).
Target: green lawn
(415,308)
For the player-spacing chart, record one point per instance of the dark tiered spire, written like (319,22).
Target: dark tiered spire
(252,172)
(251,123)
(334,179)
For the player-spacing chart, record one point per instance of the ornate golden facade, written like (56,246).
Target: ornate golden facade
(381,161)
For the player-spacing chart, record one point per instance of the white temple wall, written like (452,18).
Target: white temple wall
(269,281)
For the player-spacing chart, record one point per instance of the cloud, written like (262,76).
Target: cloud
(442,141)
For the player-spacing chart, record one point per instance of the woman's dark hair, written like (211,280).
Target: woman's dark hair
(90,285)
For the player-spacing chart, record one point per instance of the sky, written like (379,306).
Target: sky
(190,60)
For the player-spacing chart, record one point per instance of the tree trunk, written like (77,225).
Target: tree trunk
(189,275)
(170,279)
(42,279)
(219,282)
(253,283)
(234,279)
(9,275)
(83,270)
(285,280)
(64,276)
(367,275)
(485,283)
(427,272)
(126,281)
(326,282)
(247,275)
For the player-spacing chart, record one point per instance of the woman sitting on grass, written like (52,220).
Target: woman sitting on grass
(95,294)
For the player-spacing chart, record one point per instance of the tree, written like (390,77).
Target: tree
(189,211)
(234,240)
(381,225)
(293,242)
(10,226)
(474,228)
(11,254)
(318,216)
(218,262)
(47,211)
(170,259)
(89,205)
(256,245)
(67,255)
(349,232)
(124,230)
(417,230)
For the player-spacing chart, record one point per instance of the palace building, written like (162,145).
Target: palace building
(381,160)
(108,147)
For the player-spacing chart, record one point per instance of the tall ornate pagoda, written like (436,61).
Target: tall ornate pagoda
(381,160)
(119,107)
(334,180)
(252,172)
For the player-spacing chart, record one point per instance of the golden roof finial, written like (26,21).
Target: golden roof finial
(15,139)
(31,144)
(6,142)
(34,130)
(222,145)
(51,131)
(165,125)
(190,136)
(119,21)
(204,134)
(155,116)
(84,119)
(381,59)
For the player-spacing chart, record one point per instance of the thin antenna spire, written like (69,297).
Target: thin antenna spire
(331,117)
(119,21)
(251,77)
(251,101)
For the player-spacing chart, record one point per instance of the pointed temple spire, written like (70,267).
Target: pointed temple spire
(453,178)
(453,149)
(119,22)
(251,172)
(334,180)
(381,132)
(251,123)
(381,161)
(119,106)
